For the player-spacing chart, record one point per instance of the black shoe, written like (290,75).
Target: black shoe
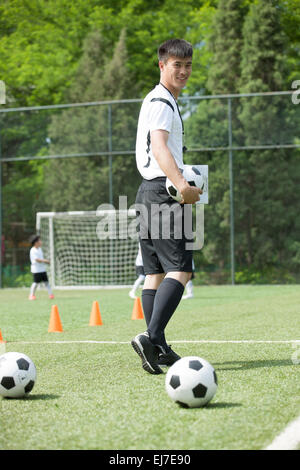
(168,358)
(148,352)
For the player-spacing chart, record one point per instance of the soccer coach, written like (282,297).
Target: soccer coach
(159,154)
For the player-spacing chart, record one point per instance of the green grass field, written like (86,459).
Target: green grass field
(91,395)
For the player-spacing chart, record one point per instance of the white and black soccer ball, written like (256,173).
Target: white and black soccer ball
(191,382)
(193,176)
(17,375)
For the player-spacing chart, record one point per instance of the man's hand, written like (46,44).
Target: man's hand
(190,194)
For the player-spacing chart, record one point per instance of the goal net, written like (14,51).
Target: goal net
(89,249)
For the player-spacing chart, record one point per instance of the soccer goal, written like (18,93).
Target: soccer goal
(89,249)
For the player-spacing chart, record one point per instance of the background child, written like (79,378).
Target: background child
(38,267)
(189,286)
(139,268)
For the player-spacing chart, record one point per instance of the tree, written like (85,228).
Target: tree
(57,52)
(82,183)
(225,44)
(265,222)
(290,18)
(266,214)
(208,127)
(41,43)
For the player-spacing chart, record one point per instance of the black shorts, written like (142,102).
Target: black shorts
(140,271)
(165,229)
(40,277)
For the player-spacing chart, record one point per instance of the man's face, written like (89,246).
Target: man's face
(175,73)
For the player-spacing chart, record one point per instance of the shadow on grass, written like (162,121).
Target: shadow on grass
(211,406)
(42,396)
(222,405)
(243,365)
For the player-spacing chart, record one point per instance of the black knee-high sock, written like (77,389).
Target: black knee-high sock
(166,300)
(148,296)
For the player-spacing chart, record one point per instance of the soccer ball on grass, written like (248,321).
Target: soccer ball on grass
(191,382)
(17,375)
(193,176)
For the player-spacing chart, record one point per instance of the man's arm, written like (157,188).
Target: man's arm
(42,260)
(166,161)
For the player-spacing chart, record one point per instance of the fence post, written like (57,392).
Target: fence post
(2,101)
(1,260)
(51,254)
(230,154)
(110,155)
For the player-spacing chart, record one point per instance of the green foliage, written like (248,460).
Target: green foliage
(263,64)
(249,58)
(263,122)
(86,130)
(266,275)
(16,276)
(290,20)
(43,41)
(226,43)
(57,52)
(40,46)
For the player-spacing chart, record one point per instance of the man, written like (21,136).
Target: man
(159,154)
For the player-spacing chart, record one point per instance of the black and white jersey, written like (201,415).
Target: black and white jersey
(159,111)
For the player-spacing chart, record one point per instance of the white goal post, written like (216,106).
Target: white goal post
(89,249)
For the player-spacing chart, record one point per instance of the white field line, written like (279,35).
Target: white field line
(288,439)
(201,341)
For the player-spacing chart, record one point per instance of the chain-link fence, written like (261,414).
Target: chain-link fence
(77,156)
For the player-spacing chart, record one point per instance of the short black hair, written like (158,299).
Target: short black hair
(34,239)
(175,47)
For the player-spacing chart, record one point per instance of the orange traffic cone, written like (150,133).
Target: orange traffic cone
(95,317)
(55,325)
(137,312)
(1,339)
